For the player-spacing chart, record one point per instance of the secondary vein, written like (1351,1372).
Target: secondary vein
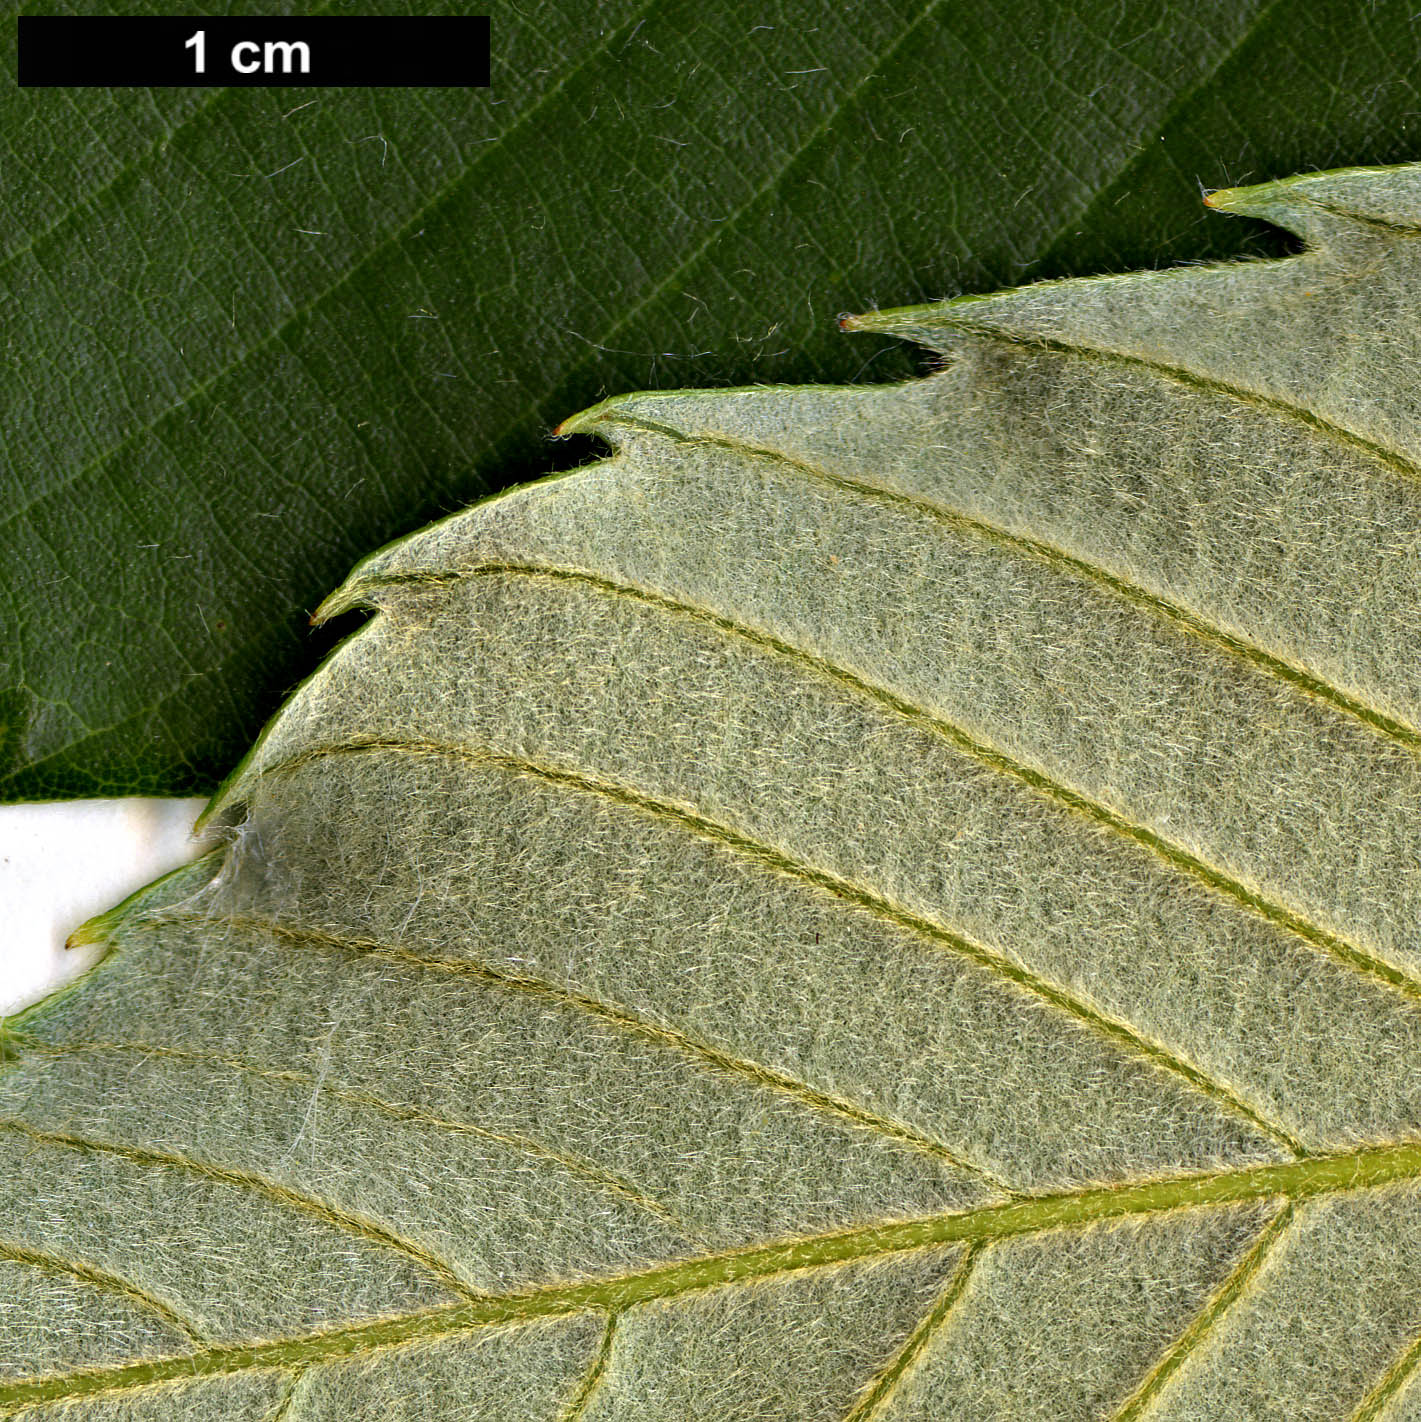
(623,1019)
(344,1220)
(880,1391)
(592,1379)
(779,861)
(1220,1302)
(1391,1382)
(104,1279)
(1296,674)
(1350,954)
(1274,405)
(575,1164)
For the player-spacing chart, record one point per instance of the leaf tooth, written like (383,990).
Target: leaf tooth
(596,419)
(1315,205)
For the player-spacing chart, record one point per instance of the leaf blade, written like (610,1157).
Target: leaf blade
(254,504)
(741,891)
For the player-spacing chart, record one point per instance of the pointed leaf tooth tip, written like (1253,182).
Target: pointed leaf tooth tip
(875,320)
(583,422)
(588,421)
(89,933)
(1269,200)
(351,594)
(328,607)
(1234,199)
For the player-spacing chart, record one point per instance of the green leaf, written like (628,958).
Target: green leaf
(872,903)
(251,334)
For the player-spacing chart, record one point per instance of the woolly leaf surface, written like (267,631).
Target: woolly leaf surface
(250,335)
(868,904)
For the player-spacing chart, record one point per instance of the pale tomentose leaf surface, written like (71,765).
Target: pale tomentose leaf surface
(871,904)
(249,336)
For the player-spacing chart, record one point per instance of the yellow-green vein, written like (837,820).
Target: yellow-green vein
(104,1279)
(348,1221)
(1309,1178)
(881,1389)
(1222,1300)
(623,1019)
(1116,1031)
(578,1165)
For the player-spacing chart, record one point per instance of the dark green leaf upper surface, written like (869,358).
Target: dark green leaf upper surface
(870,904)
(250,334)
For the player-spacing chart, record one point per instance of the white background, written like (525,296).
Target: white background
(61,864)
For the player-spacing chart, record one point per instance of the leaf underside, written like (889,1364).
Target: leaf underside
(251,335)
(872,903)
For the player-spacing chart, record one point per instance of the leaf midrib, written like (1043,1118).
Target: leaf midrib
(1370,1167)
